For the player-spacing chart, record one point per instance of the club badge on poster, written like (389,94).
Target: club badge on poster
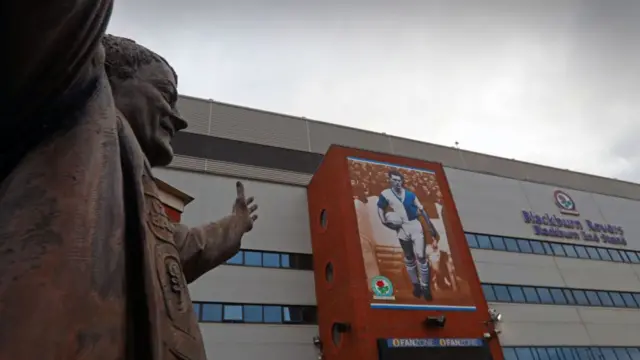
(403,235)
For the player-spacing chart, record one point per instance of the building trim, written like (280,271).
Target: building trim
(258,156)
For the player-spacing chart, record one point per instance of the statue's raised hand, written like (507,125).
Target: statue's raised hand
(244,210)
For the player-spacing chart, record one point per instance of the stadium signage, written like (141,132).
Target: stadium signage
(551,225)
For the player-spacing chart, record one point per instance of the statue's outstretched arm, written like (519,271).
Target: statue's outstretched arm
(204,247)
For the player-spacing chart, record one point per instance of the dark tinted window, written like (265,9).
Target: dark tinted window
(471,240)
(236,259)
(570,251)
(511,244)
(537,247)
(517,295)
(498,243)
(582,252)
(253,313)
(502,294)
(524,245)
(211,312)
(488,292)
(271,260)
(483,242)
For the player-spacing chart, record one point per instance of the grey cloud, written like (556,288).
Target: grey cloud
(553,82)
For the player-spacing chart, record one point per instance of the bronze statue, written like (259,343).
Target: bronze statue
(90,265)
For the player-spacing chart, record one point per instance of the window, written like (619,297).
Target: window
(569,295)
(237,259)
(232,313)
(524,245)
(593,298)
(517,295)
(605,299)
(568,354)
(299,315)
(471,240)
(629,301)
(271,260)
(545,295)
(617,299)
(284,261)
(273,314)
(558,249)
(502,294)
(582,252)
(547,248)
(256,313)
(500,243)
(511,244)
(633,257)
(622,354)
(581,297)
(542,353)
(537,247)
(488,292)
(253,313)
(196,309)
(211,312)
(252,258)
(509,353)
(604,254)
(302,261)
(530,294)
(593,253)
(634,353)
(524,354)
(570,250)
(483,242)
(615,255)
(559,296)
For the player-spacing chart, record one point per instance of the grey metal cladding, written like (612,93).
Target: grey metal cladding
(424,151)
(263,139)
(256,126)
(196,112)
(324,135)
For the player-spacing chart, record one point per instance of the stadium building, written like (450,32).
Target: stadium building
(555,253)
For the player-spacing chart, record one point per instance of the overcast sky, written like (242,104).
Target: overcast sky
(556,82)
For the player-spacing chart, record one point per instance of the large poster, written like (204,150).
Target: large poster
(405,245)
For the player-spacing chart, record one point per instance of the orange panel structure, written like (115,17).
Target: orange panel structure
(394,275)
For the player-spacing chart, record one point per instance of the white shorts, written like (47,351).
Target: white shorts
(412,231)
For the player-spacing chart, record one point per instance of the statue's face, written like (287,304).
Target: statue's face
(148,101)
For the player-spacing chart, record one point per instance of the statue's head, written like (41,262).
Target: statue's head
(144,88)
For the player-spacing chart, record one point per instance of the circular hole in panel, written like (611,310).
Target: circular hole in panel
(336,336)
(328,272)
(323,218)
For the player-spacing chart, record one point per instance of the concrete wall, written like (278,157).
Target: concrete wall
(264,342)
(493,205)
(283,223)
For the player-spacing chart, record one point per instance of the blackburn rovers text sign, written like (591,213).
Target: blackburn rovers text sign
(551,225)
